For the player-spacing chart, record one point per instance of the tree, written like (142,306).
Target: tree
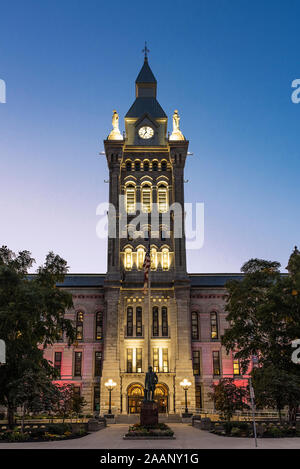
(31,318)
(264,318)
(228,398)
(78,403)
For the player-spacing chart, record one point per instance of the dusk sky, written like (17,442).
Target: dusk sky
(226,65)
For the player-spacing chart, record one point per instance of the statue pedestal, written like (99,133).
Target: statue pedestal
(149,413)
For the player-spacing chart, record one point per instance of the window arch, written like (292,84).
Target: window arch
(146,198)
(162,197)
(140,257)
(137,165)
(153,257)
(128,258)
(164,165)
(79,325)
(128,165)
(155,166)
(165,258)
(130,198)
(146,165)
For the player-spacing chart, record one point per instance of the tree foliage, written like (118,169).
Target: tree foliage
(228,398)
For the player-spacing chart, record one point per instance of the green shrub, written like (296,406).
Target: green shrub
(59,428)
(235,431)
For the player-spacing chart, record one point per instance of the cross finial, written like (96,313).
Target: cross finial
(145,51)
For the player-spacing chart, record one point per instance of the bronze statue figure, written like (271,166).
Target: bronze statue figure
(151,381)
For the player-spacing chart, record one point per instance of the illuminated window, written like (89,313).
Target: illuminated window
(196,362)
(236,367)
(216,363)
(164,165)
(140,258)
(155,325)
(195,326)
(156,360)
(98,364)
(99,325)
(146,165)
(129,360)
(139,322)
(78,364)
(130,198)
(214,325)
(129,321)
(162,199)
(146,199)
(164,321)
(57,362)
(79,325)
(128,166)
(128,259)
(165,360)
(165,259)
(139,360)
(153,258)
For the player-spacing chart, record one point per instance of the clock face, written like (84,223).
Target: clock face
(146,132)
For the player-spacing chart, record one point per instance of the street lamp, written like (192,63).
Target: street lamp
(185,384)
(110,384)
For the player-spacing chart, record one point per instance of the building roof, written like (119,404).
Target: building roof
(213,280)
(83,280)
(146,74)
(146,106)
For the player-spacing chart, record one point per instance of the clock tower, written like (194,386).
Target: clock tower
(146,195)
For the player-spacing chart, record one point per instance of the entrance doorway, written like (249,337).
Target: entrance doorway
(135,397)
(161,397)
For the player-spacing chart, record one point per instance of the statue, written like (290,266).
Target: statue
(115,133)
(176,134)
(151,381)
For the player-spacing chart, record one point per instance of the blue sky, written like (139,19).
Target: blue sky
(226,65)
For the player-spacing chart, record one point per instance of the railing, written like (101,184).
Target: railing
(237,416)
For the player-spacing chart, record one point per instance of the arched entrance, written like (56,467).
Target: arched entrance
(161,396)
(135,396)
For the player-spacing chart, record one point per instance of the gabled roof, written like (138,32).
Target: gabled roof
(146,74)
(146,106)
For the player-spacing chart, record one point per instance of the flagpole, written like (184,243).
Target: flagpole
(149,316)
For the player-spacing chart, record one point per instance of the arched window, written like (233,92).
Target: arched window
(155,166)
(130,198)
(146,165)
(164,165)
(137,165)
(140,257)
(162,199)
(155,323)
(153,258)
(129,321)
(128,258)
(146,198)
(139,321)
(99,326)
(79,325)
(214,333)
(128,165)
(165,259)
(164,321)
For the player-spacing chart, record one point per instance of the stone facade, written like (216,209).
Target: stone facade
(176,324)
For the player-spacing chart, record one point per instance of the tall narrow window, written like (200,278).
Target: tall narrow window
(128,166)
(128,258)
(153,258)
(139,322)
(216,363)
(165,360)
(130,198)
(146,198)
(78,364)
(236,366)
(164,165)
(129,360)
(195,326)
(214,325)
(156,360)
(137,165)
(96,406)
(196,362)
(165,259)
(79,325)
(139,360)
(154,166)
(129,321)
(198,396)
(99,325)
(140,258)
(57,362)
(98,364)
(162,199)
(164,321)
(146,165)
(155,321)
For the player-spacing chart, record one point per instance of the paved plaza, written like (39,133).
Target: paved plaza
(187,437)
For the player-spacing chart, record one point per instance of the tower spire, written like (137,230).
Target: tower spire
(145,52)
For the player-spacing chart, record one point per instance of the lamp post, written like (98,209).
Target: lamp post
(110,385)
(185,384)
